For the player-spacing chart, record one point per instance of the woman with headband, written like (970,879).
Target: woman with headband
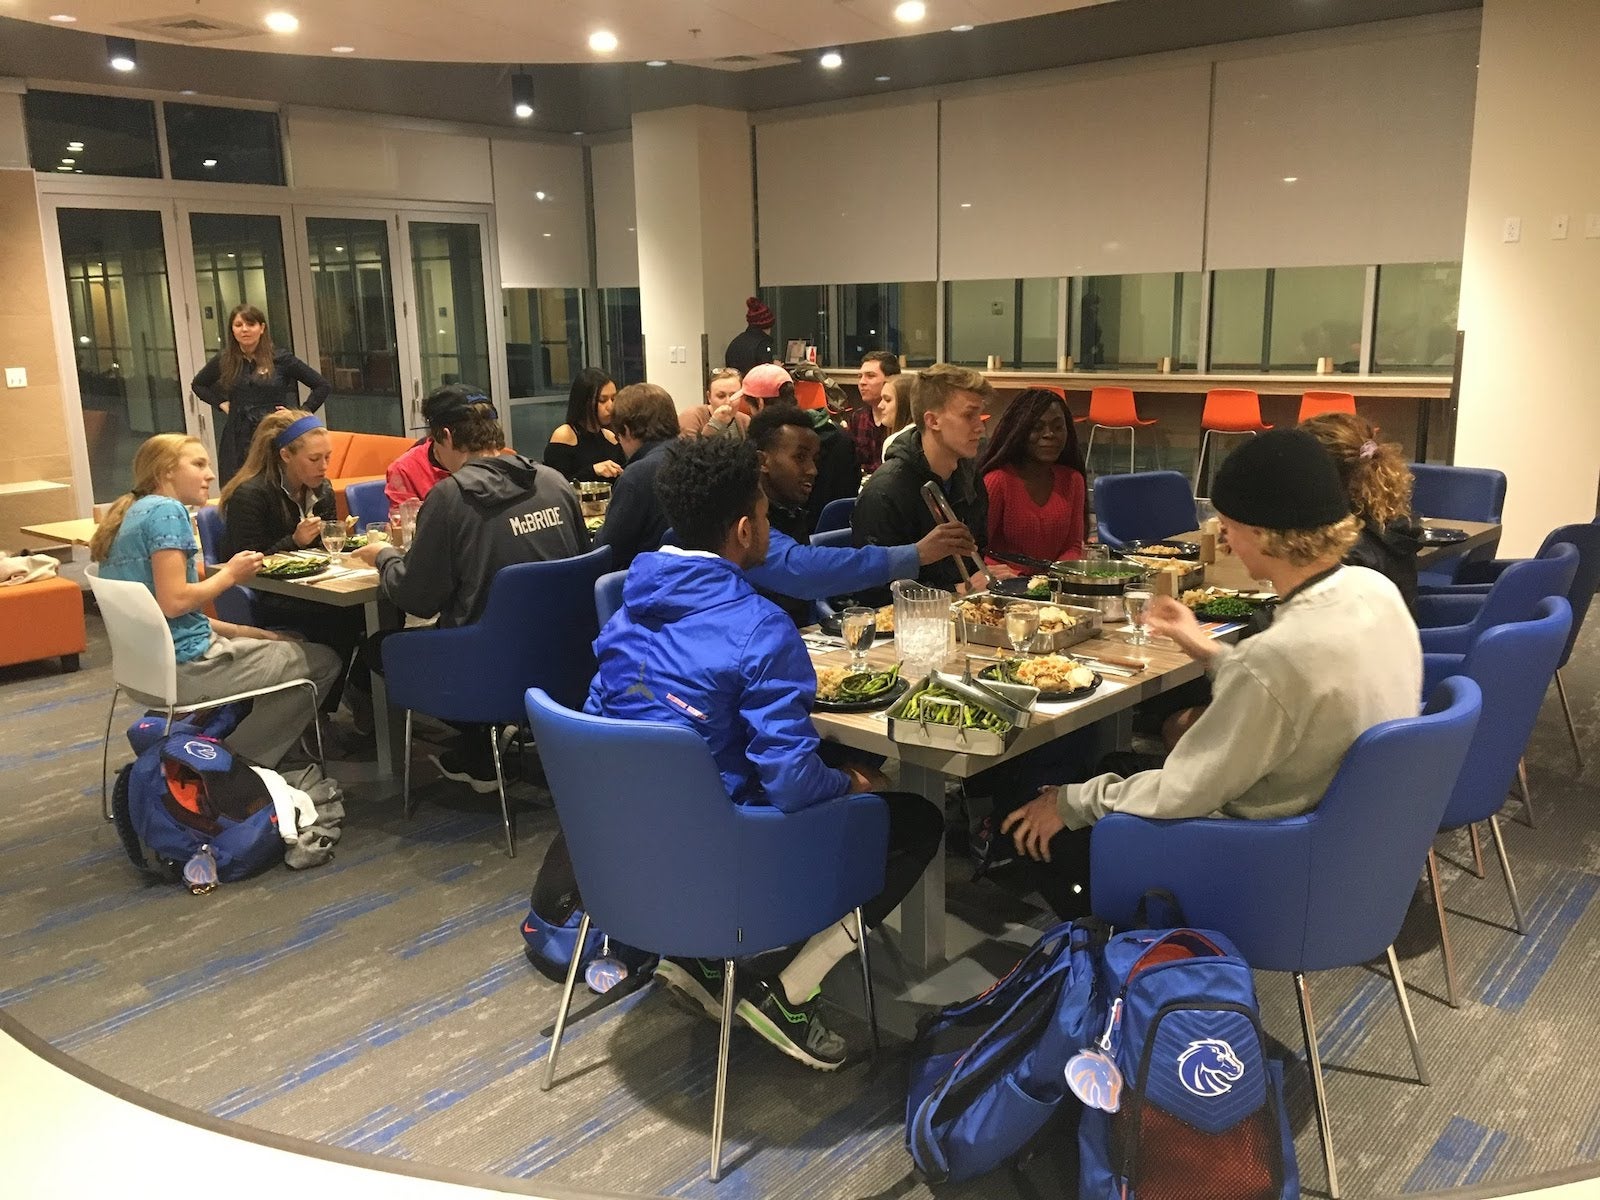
(147,537)
(278,502)
(248,379)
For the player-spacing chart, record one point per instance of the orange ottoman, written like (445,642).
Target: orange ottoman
(41,620)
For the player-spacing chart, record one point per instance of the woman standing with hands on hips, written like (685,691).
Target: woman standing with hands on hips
(249,379)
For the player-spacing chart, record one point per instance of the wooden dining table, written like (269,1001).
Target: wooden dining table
(358,587)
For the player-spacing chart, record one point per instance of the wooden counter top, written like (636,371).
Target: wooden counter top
(1399,387)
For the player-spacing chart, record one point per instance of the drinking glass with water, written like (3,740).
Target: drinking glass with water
(860,627)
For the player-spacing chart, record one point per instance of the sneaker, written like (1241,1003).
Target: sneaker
(697,982)
(795,1029)
(479,776)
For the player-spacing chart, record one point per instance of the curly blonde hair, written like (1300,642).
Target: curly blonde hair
(1375,474)
(1302,547)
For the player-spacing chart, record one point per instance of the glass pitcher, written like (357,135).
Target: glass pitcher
(921,626)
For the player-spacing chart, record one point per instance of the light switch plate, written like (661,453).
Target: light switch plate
(1591,225)
(1513,230)
(16,377)
(1558,228)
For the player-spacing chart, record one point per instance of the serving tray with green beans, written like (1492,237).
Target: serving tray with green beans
(946,713)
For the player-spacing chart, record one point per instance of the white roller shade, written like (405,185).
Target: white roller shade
(616,244)
(1377,138)
(849,197)
(368,158)
(1092,177)
(540,215)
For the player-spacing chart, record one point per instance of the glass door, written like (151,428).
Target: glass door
(450,314)
(347,266)
(119,301)
(238,258)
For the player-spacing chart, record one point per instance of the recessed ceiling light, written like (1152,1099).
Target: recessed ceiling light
(522,95)
(966,204)
(1291,179)
(75,146)
(961,29)
(64,18)
(602,41)
(344,49)
(281,22)
(210,162)
(538,195)
(831,61)
(909,12)
(656,62)
(121,53)
(880,79)
(547,235)
(68,161)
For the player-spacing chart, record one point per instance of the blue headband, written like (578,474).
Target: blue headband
(297,429)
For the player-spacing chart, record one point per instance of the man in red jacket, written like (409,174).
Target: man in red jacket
(413,474)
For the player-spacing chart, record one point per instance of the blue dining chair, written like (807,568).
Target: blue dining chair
(237,604)
(1512,665)
(823,608)
(1308,893)
(678,869)
(1461,493)
(536,631)
(1449,624)
(835,514)
(367,503)
(1145,506)
(1477,578)
(608,595)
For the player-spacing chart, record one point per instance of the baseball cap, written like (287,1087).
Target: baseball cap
(763,382)
(450,401)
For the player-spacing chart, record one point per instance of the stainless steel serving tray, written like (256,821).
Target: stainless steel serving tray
(1017,698)
(1086,624)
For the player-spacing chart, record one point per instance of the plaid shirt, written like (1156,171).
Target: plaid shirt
(868,437)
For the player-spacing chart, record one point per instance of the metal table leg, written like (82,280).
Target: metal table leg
(384,719)
(922,911)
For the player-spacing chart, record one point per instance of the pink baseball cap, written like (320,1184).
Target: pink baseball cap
(763,382)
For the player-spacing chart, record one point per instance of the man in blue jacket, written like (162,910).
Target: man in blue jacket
(694,644)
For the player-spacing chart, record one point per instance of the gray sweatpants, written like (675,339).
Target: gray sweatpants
(276,721)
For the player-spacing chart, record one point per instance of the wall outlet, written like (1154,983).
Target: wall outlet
(1591,225)
(16,377)
(1558,228)
(1513,230)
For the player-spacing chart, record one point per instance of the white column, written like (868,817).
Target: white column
(696,225)
(1530,307)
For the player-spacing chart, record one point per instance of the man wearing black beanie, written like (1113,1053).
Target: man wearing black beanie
(1342,655)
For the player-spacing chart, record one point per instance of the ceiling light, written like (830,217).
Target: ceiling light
(522,94)
(1291,179)
(966,204)
(910,12)
(75,147)
(577,133)
(602,41)
(67,162)
(547,235)
(121,53)
(64,18)
(338,249)
(188,92)
(538,195)
(880,79)
(344,49)
(282,22)
(209,163)
(831,61)
(656,62)
(961,29)
(63,168)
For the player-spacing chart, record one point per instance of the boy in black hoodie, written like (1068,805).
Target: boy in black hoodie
(496,509)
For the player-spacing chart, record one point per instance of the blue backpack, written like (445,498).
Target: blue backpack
(1201,1107)
(186,797)
(550,930)
(988,1074)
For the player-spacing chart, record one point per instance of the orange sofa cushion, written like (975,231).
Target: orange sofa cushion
(358,457)
(41,620)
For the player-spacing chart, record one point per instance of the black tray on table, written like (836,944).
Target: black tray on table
(1443,535)
(1018,588)
(894,693)
(1185,549)
(995,674)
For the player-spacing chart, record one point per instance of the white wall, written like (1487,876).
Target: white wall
(823,220)
(616,238)
(543,243)
(1376,136)
(1530,308)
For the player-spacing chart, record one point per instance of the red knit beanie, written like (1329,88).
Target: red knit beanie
(757,313)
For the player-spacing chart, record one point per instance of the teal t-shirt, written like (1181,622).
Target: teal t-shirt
(159,523)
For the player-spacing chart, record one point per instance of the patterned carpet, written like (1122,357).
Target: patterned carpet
(382,1002)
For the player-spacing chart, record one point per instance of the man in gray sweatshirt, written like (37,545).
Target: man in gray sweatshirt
(496,509)
(1342,655)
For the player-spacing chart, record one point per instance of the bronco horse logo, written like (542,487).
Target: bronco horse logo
(1209,1067)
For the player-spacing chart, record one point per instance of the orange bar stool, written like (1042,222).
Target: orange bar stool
(1227,410)
(1113,408)
(1314,404)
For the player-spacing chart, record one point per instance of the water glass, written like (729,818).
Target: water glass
(860,627)
(1022,622)
(1136,600)
(1097,552)
(333,536)
(378,533)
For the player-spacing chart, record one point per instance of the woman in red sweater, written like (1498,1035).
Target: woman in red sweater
(1034,472)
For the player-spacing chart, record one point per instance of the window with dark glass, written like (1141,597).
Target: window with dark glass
(802,316)
(1285,318)
(621,335)
(898,317)
(223,145)
(1417,312)
(1134,321)
(544,339)
(73,134)
(1013,318)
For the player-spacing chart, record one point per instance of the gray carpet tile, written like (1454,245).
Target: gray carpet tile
(382,1002)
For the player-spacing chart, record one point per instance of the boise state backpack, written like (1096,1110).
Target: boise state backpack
(1197,1105)
(187,796)
(550,930)
(988,1074)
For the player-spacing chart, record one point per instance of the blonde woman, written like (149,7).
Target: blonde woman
(892,412)
(1379,485)
(147,537)
(247,380)
(720,413)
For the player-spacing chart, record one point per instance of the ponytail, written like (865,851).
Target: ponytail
(152,463)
